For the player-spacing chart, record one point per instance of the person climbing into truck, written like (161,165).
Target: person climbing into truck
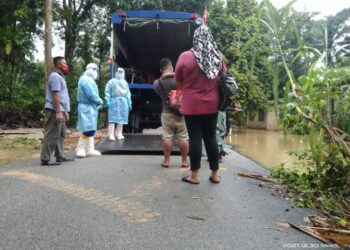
(118,102)
(173,123)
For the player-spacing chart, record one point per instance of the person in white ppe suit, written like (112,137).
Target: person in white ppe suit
(89,103)
(118,102)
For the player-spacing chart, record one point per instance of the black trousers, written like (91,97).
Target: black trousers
(202,127)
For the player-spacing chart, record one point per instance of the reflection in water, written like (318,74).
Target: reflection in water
(268,148)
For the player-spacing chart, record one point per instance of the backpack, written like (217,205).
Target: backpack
(227,89)
(173,98)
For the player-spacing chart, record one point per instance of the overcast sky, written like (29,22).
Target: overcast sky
(325,7)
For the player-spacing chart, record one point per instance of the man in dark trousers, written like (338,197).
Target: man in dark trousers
(57,107)
(173,123)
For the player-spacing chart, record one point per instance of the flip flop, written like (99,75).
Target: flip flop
(184,166)
(63,159)
(185,179)
(164,166)
(50,163)
(211,179)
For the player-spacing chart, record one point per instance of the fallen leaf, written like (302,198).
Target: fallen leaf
(304,229)
(339,239)
(319,221)
(282,224)
(277,229)
(342,222)
(339,236)
(195,217)
(258,177)
(307,219)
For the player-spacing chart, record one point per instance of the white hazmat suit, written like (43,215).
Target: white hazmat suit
(118,101)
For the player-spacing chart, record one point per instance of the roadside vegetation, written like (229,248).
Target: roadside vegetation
(316,102)
(19,142)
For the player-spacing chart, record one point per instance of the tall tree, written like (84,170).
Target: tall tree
(239,34)
(18,25)
(48,38)
(72,14)
(338,35)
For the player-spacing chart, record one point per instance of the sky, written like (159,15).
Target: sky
(325,7)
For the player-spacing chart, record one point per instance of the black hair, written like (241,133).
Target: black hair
(57,59)
(165,63)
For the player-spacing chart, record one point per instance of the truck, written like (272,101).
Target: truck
(140,39)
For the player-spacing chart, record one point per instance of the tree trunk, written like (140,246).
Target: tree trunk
(70,42)
(11,84)
(48,39)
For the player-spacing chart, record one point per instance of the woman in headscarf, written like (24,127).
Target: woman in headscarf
(198,72)
(118,101)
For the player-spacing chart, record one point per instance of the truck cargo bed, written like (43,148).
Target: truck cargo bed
(136,144)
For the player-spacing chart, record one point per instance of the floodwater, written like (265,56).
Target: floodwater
(268,148)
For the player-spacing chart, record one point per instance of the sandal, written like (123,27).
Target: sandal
(164,166)
(185,179)
(211,179)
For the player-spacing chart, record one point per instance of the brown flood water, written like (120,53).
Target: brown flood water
(268,148)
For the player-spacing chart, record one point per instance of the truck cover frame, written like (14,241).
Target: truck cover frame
(140,39)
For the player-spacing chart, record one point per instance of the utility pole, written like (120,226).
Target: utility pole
(48,39)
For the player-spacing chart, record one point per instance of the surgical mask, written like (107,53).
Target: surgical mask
(119,75)
(64,68)
(94,75)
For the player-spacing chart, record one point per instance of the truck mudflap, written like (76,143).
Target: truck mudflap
(136,144)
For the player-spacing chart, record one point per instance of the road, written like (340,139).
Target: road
(130,202)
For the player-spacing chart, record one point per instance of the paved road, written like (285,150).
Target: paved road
(130,202)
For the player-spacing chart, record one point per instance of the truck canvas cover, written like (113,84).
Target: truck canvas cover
(144,37)
(140,39)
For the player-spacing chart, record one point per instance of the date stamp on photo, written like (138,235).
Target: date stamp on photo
(309,245)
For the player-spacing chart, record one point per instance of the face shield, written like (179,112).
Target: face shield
(119,74)
(92,70)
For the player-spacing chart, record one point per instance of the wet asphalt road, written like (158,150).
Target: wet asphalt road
(130,202)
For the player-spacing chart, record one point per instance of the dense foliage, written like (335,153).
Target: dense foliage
(240,36)
(236,25)
(317,102)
